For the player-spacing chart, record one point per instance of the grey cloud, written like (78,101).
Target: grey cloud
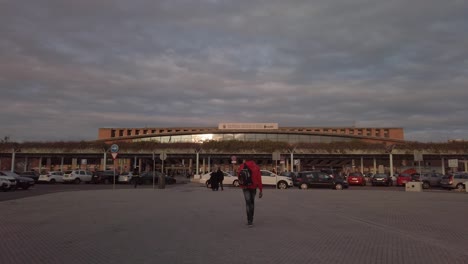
(89,64)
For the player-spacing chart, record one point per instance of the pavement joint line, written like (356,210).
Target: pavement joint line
(419,238)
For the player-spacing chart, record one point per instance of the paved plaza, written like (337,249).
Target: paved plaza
(192,224)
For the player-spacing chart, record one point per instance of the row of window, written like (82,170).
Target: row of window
(245,137)
(351,131)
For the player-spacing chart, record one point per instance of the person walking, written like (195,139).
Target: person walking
(214,181)
(250,178)
(220,176)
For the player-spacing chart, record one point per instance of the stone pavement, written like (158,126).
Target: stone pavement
(192,224)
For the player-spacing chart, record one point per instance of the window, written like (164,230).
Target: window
(323,176)
(121,133)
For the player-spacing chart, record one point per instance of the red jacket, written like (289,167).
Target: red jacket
(256,175)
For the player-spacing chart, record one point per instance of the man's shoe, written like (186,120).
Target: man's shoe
(249,224)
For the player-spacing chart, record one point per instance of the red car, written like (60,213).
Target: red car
(403,178)
(356,178)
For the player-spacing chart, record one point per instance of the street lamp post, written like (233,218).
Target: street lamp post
(292,157)
(197,163)
(13,155)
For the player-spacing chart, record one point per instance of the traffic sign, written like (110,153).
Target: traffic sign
(418,156)
(453,163)
(114,155)
(163,156)
(276,155)
(114,148)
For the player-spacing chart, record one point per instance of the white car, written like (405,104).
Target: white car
(270,178)
(228,179)
(10,179)
(77,176)
(5,184)
(51,177)
(125,177)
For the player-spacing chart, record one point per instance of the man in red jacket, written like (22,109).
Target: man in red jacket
(249,188)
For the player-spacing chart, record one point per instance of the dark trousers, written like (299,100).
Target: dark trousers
(221,185)
(249,195)
(136,181)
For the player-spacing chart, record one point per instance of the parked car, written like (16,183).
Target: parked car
(307,179)
(147,178)
(31,174)
(51,177)
(270,178)
(77,176)
(21,182)
(106,176)
(454,181)
(428,179)
(403,178)
(289,174)
(10,179)
(229,179)
(381,179)
(5,184)
(356,178)
(125,177)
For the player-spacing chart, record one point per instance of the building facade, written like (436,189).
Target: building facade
(253,132)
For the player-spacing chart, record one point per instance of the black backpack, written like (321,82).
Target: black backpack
(245,176)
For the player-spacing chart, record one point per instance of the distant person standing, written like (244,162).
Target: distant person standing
(220,176)
(250,178)
(136,177)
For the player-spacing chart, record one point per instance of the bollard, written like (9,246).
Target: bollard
(162,181)
(413,187)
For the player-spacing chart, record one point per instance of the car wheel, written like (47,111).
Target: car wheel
(338,186)
(282,185)
(77,181)
(52,181)
(426,185)
(236,183)
(25,187)
(460,187)
(364,183)
(304,186)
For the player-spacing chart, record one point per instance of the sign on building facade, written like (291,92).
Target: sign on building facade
(256,126)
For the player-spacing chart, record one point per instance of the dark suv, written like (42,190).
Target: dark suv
(106,176)
(30,174)
(307,179)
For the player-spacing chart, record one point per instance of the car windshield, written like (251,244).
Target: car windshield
(380,176)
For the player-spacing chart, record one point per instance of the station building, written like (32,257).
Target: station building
(253,132)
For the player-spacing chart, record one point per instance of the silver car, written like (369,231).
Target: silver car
(454,181)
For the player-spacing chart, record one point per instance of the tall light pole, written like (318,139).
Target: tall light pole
(292,157)
(13,155)
(197,164)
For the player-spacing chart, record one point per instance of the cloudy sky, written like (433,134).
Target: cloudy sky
(70,67)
